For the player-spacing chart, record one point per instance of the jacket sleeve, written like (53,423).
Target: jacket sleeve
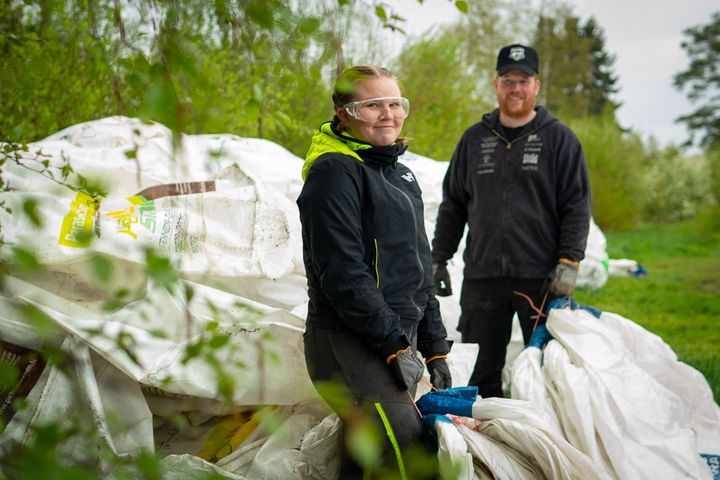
(432,336)
(452,213)
(573,198)
(331,216)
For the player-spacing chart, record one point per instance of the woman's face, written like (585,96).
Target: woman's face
(383,127)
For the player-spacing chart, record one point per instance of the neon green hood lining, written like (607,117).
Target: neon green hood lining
(325,140)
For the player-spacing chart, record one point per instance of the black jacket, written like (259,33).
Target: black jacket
(366,253)
(526,202)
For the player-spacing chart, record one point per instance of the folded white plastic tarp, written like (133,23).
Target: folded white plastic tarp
(538,448)
(263,352)
(527,382)
(569,391)
(454,458)
(113,392)
(622,397)
(644,426)
(90,390)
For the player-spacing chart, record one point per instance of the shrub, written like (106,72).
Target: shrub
(615,161)
(679,186)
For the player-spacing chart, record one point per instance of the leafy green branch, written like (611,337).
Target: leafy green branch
(36,161)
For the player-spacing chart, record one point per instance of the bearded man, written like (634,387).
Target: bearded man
(518,180)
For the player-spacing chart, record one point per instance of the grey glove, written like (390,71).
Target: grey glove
(563,278)
(442,280)
(439,372)
(406,367)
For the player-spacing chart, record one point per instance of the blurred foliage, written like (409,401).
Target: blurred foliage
(712,155)
(444,105)
(49,454)
(602,83)
(702,79)
(52,47)
(678,186)
(564,66)
(257,69)
(575,68)
(617,163)
(433,126)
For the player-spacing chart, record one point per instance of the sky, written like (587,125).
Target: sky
(644,36)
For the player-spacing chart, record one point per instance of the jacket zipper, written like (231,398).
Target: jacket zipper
(377,264)
(507,142)
(504,260)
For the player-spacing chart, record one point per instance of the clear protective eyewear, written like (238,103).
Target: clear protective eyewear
(372,109)
(510,84)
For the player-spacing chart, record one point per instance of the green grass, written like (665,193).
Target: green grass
(679,300)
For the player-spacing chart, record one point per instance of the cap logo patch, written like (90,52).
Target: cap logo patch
(517,53)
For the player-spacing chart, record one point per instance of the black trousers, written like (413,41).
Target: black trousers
(488,307)
(352,378)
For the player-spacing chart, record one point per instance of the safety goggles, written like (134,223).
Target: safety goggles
(371,109)
(510,84)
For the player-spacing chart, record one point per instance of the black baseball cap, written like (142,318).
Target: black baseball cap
(517,57)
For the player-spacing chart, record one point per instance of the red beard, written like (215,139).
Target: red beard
(515,109)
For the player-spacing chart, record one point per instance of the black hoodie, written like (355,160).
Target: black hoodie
(526,201)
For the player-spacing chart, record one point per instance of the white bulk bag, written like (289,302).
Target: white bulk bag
(528,383)
(570,393)
(644,427)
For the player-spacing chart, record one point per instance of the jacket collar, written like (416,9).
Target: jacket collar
(543,118)
(329,140)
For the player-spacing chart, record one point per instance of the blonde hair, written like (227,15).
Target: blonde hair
(344,90)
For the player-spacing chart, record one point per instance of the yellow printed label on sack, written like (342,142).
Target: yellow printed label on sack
(77,226)
(139,212)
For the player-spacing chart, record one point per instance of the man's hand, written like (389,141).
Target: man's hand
(563,278)
(406,367)
(439,372)
(442,280)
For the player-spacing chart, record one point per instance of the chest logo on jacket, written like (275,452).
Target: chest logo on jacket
(531,153)
(487,157)
(408,177)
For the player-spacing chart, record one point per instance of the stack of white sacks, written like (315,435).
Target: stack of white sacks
(604,398)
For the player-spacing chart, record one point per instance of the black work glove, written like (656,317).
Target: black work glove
(406,367)
(563,278)
(439,372)
(442,280)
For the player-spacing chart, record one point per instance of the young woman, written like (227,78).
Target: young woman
(368,265)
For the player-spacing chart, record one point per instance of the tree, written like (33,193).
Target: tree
(447,74)
(702,78)
(617,163)
(602,82)
(56,67)
(434,126)
(575,68)
(564,64)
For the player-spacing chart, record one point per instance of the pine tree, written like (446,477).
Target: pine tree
(575,68)
(602,82)
(702,77)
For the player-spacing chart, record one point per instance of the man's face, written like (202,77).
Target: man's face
(516,92)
